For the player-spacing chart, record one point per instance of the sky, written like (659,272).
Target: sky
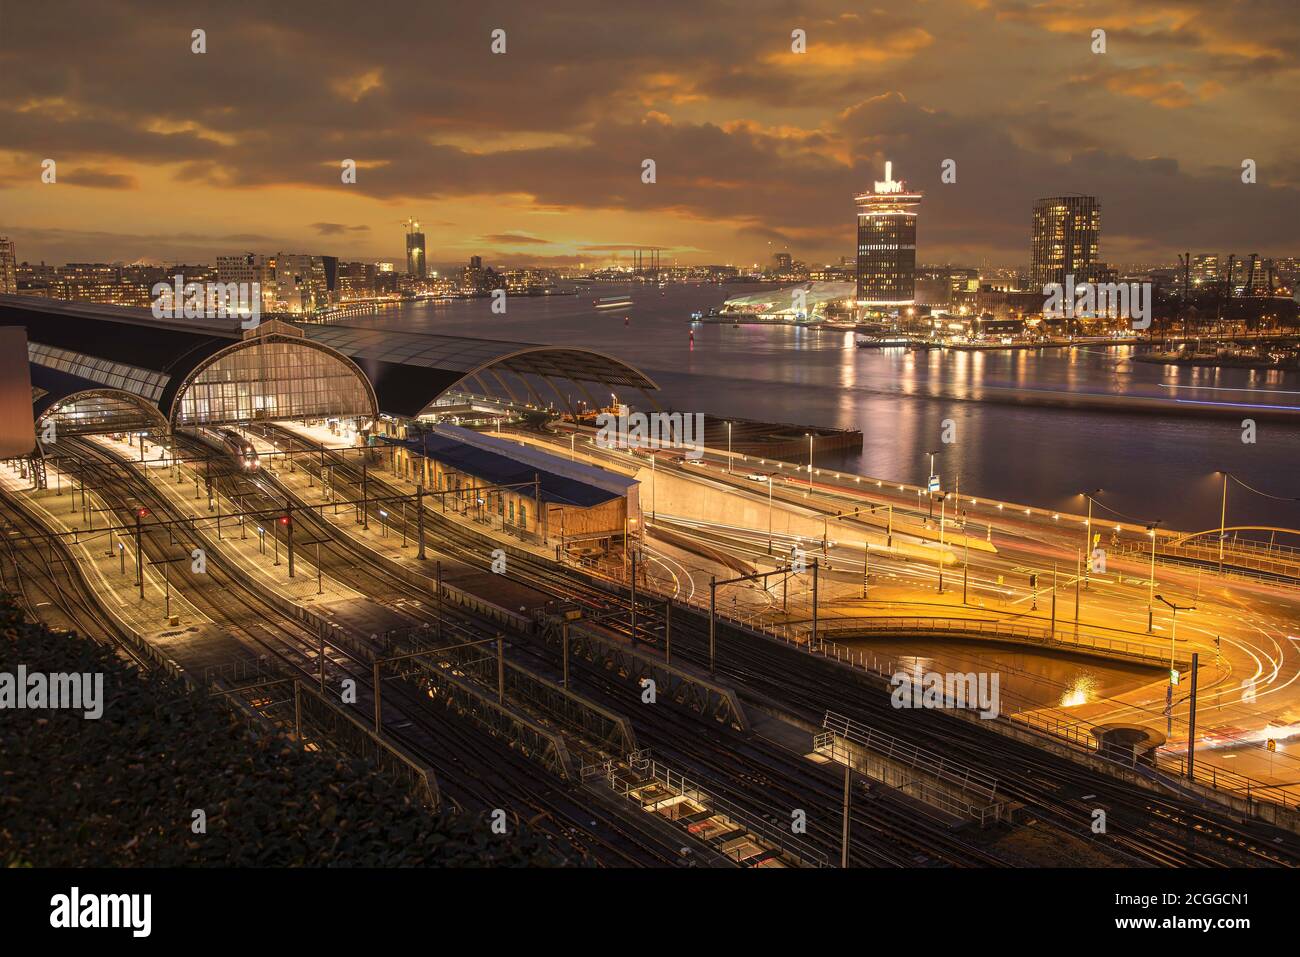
(535,155)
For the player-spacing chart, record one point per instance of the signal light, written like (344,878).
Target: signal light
(284,519)
(142,512)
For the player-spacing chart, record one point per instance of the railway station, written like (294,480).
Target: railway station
(149,375)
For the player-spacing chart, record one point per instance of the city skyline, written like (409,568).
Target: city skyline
(753,143)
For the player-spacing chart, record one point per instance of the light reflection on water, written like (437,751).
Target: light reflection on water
(1152,466)
(1026,679)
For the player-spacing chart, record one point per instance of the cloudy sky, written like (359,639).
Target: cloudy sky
(536,155)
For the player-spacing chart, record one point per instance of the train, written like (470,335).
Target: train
(238,446)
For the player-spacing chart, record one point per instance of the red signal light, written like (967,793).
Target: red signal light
(284,519)
(142,512)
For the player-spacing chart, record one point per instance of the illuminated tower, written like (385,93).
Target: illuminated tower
(415,255)
(1064,242)
(887,243)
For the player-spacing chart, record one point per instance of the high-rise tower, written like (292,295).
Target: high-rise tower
(8,266)
(416,264)
(887,243)
(1067,230)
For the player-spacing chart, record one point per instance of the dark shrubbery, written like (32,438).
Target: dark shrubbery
(120,791)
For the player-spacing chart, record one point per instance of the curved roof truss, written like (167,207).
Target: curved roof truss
(100,411)
(272,376)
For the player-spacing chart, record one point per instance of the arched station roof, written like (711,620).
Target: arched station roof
(411,369)
(75,346)
(96,411)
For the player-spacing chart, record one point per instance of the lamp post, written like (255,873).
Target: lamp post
(729,449)
(965,562)
(1151,585)
(1173,627)
(1223,520)
(1087,538)
(1173,632)
(810,459)
(929,496)
(942,508)
(653,514)
(769,514)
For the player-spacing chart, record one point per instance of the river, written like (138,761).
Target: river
(1149,466)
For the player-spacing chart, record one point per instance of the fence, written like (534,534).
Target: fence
(643,769)
(1060,639)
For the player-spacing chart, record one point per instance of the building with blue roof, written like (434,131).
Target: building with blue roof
(523,490)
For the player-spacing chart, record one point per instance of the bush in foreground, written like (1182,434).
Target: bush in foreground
(121,791)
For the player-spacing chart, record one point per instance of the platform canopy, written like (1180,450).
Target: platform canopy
(208,371)
(410,370)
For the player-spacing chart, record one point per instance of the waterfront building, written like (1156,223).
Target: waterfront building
(1064,242)
(886,263)
(416,256)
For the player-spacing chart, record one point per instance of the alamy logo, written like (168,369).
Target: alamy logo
(1093,300)
(658,430)
(933,689)
(77,691)
(74,910)
(208,300)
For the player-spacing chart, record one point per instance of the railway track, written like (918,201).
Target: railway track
(886,832)
(48,583)
(1143,826)
(478,772)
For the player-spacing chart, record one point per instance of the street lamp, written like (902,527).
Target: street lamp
(653,514)
(943,505)
(1087,538)
(810,459)
(1173,632)
(929,495)
(728,448)
(769,513)
(1151,585)
(1223,519)
(1173,628)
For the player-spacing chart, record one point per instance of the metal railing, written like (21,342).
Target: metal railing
(1061,638)
(1221,779)
(983,785)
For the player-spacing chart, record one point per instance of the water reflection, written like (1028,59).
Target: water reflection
(1150,466)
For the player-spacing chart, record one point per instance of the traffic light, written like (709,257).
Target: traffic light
(1033,581)
(284,519)
(142,512)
